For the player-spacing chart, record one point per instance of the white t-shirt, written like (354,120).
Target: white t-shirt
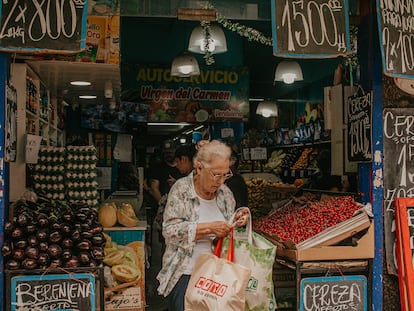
(208,211)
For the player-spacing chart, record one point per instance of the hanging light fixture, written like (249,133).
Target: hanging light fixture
(200,42)
(185,65)
(267,109)
(288,71)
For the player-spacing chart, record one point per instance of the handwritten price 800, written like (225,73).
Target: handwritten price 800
(36,18)
(305,16)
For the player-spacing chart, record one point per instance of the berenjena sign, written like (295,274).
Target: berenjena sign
(43,26)
(75,292)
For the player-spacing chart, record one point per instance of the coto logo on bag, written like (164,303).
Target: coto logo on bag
(211,286)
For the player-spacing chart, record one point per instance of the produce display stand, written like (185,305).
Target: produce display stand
(305,269)
(80,288)
(340,256)
(132,297)
(341,260)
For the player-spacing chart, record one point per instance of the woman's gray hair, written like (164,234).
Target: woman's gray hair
(208,150)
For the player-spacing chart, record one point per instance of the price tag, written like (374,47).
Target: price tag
(246,154)
(227,132)
(258,153)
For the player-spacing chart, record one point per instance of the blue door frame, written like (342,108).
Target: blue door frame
(4,167)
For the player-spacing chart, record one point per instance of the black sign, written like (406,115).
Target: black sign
(395,21)
(75,292)
(45,26)
(398,170)
(359,111)
(334,293)
(310,28)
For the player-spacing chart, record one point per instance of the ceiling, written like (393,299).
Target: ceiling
(56,74)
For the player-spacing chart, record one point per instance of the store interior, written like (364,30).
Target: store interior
(161,39)
(151,35)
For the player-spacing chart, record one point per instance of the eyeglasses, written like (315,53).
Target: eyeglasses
(218,177)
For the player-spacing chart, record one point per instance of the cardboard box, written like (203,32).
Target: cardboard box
(363,250)
(95,50)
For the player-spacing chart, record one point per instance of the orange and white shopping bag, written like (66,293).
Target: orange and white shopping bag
(217,284)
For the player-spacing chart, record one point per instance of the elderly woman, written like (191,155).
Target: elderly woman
(198,209)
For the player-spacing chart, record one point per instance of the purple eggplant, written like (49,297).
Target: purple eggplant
(55,237)
(12,264)
(72,262)
(84,245)
(67,243)
(20,244)
(43,259)
(66,254)
(32,240)
(18,254)
(29,263)
(6,249)
(31,252)
(17,233)
(54,251)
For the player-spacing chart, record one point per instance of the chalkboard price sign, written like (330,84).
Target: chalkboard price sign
(398,170)
(310,28)
(75,292)
(359,110)
(43,26)
(334,293)
(395,33)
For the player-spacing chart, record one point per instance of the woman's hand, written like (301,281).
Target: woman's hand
(218,228)
(242,217)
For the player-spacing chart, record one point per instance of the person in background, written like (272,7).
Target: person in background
(237,184)
(198,209)
(161,176)
(184,159)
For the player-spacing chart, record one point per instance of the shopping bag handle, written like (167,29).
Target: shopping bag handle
(249,226)
(230,249)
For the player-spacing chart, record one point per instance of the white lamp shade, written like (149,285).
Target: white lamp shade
(216,43)
(288,71)
(185,65)
(267,109)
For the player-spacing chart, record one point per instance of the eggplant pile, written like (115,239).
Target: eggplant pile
(53,234)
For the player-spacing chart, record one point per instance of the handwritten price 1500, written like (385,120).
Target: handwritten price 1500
(41,22)
(306,17)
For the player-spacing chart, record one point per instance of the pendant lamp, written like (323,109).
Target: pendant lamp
(185,65)
(200,42)
(288,71)
(267,109)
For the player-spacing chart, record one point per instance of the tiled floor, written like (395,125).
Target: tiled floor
(154,301)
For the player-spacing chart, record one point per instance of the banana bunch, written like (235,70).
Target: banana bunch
(255,188)
(276,160)
(302,162)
